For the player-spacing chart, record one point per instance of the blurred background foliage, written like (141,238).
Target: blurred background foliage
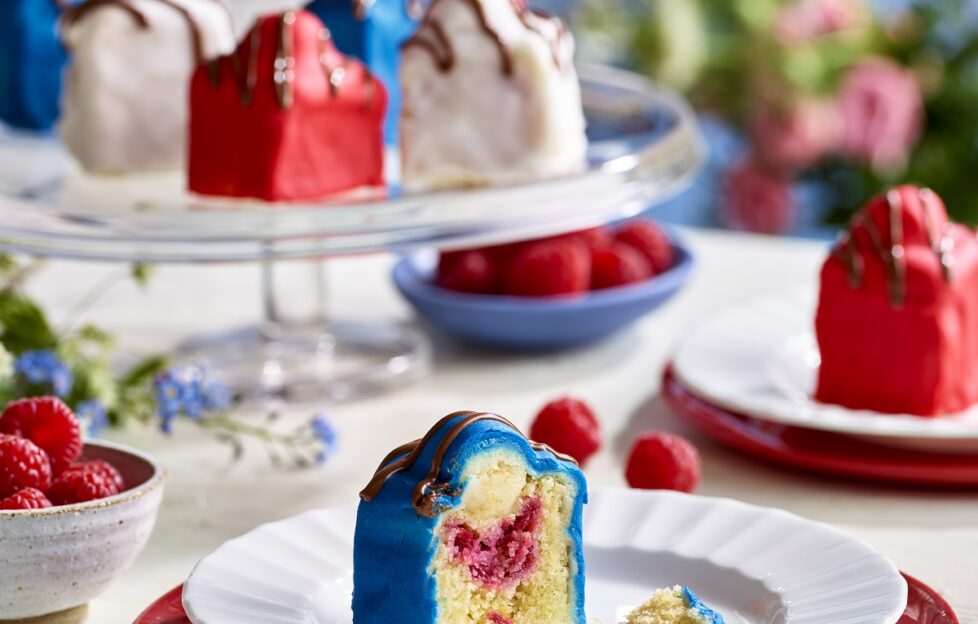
(842,96)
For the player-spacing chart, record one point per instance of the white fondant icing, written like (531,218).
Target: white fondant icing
(474,124)
(126,95)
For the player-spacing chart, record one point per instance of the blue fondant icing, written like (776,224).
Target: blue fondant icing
(693,602)
(31,61)
(375,38)
(394,544)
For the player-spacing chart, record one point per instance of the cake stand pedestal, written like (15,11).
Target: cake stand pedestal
(644,147)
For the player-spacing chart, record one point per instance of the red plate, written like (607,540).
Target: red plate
(820,451)
(166,610)
(924,606)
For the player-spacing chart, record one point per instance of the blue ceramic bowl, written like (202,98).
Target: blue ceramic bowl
(535,324)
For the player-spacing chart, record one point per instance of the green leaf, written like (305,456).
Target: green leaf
(8,266)
(144,371)
(23,325)
(142,272)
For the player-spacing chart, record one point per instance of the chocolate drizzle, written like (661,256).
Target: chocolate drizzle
(445,59)
(283,71)
(75,13)
(849,256)
(440,49)
(284,76)
(555,41)
(78,12)
(892,250)
(943,246)
(404,457)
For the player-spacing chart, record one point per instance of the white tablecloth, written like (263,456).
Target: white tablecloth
(930,534)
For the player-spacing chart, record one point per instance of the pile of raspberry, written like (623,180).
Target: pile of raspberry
(570,264)
(40,458)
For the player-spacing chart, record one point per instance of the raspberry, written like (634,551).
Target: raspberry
(22,465)
(650,240)
(48,423)
(471,271)
(84,482)
(568,426)
(109,471)
(593,238)
(28,498)
(548,268)
(663,461)
(616,265)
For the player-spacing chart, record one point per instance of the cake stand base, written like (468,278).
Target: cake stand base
(349,360)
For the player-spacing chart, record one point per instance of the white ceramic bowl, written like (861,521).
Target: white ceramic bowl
(62,557)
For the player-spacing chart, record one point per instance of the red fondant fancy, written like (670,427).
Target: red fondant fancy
(897,320)
(285,117)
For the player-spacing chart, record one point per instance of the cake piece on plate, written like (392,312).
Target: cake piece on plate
(125,100)
(897,320)
(676,605)
(472,523)
(285,117)
(490,96)
(31,60)
(373,31)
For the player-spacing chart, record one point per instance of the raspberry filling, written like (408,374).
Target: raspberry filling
(495,618)
(500,556)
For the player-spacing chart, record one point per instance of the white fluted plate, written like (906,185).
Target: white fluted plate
(760,359)
(753,564)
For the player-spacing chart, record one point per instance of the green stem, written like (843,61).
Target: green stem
(20,277)
(224,423)
(83,305)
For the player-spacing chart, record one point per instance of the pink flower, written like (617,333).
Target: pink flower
(809,19)
(757,200)
(882,113)
(798,138)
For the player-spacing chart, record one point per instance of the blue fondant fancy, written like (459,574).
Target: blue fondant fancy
(693,602)
(394,544)
(31,62)
(372,32)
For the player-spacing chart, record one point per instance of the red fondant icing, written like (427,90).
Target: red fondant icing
(897,319)
(502,555)
(285,117)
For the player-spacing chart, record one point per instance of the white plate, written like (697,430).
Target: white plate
(761,359)
(755,565)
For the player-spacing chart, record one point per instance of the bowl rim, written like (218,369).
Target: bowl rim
(414,284)
(155,482)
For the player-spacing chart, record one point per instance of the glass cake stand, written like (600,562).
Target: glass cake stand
(645,147)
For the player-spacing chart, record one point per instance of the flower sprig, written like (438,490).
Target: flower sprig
(79,363)
(193,394)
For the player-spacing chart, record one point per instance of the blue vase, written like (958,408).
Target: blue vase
(31,62)
(372,32)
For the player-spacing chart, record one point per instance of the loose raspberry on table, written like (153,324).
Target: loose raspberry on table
(28,498)
(663,461)
(569,426)
(473,271)
(48,423)
(548,268)
(617,265)
(22,465)
(650,240)
(83,482)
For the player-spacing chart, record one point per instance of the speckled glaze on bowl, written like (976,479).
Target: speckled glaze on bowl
(62,557)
